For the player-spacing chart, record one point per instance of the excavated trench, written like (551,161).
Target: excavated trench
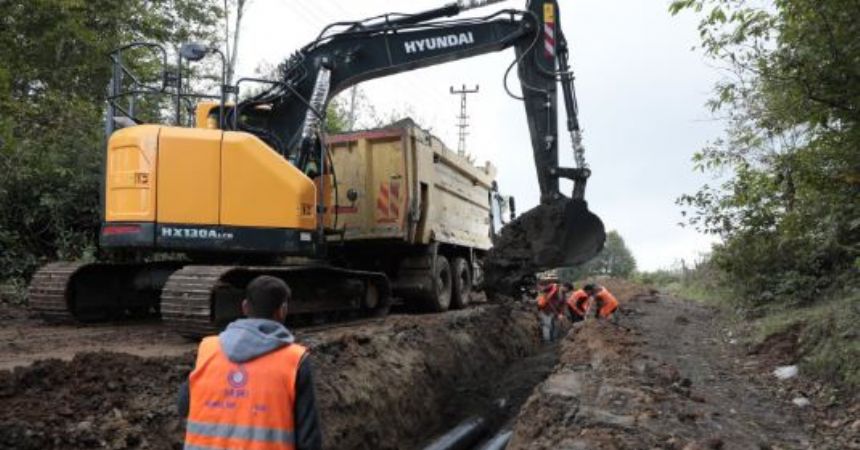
(385,384)
(403,387)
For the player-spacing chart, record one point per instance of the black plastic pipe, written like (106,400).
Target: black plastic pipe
(499,441)
(461,437)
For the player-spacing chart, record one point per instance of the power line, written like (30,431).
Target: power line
(463,119)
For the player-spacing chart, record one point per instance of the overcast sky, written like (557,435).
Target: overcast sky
(641,95)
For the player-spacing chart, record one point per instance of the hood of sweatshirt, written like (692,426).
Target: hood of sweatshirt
(246,339)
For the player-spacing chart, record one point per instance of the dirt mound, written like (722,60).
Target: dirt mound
(387,384)
(579,406)
(781,348)
(104,400)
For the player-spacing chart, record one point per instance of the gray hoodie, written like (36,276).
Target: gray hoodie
(246,339)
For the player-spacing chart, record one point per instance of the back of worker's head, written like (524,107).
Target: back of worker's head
(266,298)
(590,288)
(568,286)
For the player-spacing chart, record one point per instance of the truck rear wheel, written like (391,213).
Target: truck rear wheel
(462,283)
(442,284)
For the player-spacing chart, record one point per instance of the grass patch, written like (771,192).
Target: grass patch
(703,284)
(829,338)
(710,295)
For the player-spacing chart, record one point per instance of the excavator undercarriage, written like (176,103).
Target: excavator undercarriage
(197,300)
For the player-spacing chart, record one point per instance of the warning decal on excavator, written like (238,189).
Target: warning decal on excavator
(549,30)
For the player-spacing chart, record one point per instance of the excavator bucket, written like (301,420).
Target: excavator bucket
(557,234)
(564,233)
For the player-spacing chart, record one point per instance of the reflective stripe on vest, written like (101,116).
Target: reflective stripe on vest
(242,406)
(240,432)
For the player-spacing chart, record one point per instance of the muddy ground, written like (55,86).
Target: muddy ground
(669,376)
(27,340)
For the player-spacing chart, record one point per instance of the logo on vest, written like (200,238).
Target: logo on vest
(237,378)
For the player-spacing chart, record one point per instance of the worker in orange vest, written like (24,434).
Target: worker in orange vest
(577,302)
(549,302)
(605,303)
(252,387)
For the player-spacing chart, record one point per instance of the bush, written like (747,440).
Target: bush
(53,76)
(787,209)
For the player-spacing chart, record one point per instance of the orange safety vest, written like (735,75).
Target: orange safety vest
(608,302)
(242,406)
(547,299)
(576,302)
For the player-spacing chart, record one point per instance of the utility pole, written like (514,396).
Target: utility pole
(463,119)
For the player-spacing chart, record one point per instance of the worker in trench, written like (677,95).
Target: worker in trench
(252,383)
(577,302)
(603,303)
(550,303)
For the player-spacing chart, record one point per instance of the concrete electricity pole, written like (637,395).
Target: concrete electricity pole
(463,118)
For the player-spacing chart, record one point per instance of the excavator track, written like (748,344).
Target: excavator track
(186,300)
(197,301)
(69,292)
(47,292)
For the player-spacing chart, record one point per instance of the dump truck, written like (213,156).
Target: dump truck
(410,207)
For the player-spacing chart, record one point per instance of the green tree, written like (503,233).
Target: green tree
(337,116)
(614,260)
(787,210)
(53,76)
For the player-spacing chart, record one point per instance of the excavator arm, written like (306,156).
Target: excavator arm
(561,231)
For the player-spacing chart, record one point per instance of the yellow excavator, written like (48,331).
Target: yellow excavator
(239,186)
